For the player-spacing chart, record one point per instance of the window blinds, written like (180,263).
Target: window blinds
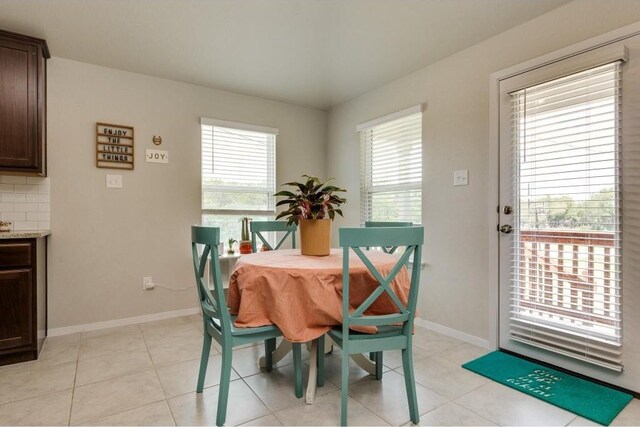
(391,168)
(238,168)
(566,255)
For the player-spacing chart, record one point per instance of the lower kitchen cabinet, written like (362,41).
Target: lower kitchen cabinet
(23,298)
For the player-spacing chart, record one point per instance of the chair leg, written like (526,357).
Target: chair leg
(344,385)
(320,378)
(297,368)
(410,384)
(225,379)
(378,360)
(269,347)
(204,361)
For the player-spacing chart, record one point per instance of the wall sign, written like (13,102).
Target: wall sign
(156,156)
(114,146)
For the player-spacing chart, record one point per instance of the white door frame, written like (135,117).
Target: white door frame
(494,149)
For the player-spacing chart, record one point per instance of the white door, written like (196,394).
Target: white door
(569,213)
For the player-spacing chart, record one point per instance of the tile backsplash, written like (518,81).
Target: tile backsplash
(25,201)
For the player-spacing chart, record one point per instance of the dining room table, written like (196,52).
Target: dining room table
(302,295)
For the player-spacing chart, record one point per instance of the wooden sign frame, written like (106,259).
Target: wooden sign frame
(114,146)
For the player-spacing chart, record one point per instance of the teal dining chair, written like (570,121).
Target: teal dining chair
(395,331)
(259,227)
(377,357)
(218,322)
(378,224)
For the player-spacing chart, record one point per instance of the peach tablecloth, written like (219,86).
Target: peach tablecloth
(302,295)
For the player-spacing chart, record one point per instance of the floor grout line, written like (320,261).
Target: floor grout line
(124,375)
(572,420)
(276,417)
(155,368)
(75,377)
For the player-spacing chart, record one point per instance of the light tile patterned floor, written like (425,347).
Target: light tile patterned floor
(146,374)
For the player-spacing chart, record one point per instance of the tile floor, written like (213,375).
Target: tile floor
(146,374)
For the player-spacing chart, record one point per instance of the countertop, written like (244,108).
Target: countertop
(24,234)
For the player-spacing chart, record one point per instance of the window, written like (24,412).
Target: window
(391,167)
(238,174)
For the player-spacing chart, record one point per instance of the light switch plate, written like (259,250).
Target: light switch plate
(114,181)
(461,177)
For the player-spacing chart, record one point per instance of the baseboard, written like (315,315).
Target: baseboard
(121,322)
(453,333)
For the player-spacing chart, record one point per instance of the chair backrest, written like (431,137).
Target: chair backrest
(388,224)
(377,224)
(410,238)
(259,227)
(204,246)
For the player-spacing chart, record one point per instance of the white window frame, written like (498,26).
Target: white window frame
(271,169)
(367,190)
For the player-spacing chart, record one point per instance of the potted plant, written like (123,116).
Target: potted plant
(230,250)
(312,205)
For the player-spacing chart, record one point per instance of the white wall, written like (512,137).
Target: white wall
(455,91)
(104,240)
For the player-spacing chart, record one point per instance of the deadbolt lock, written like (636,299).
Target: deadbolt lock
(508,210)
(506,229)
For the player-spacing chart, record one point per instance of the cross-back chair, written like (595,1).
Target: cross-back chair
(377,357)
(259,227)
(394,330)
(378,224)
(218,322)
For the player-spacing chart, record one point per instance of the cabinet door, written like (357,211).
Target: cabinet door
(16,309)
(18,106)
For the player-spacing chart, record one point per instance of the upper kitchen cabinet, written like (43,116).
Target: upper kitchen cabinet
(23,131)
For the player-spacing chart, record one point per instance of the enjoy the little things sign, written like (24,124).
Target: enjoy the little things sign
(114,146)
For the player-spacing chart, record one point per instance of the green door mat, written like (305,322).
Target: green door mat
(585,398)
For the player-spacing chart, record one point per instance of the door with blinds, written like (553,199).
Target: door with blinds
(570,213)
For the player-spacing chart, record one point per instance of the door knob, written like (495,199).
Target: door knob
(506,229)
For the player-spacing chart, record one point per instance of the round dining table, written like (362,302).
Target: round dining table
(302,295)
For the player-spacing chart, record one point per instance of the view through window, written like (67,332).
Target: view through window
(566,254)
(391,169)
(238,175)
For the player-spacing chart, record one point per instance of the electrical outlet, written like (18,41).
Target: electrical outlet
(147,283)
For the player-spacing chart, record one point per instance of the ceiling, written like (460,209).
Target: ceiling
(315,53)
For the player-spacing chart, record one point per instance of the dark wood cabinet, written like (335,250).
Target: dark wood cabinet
(15,306)
(23,294)
(23,75)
